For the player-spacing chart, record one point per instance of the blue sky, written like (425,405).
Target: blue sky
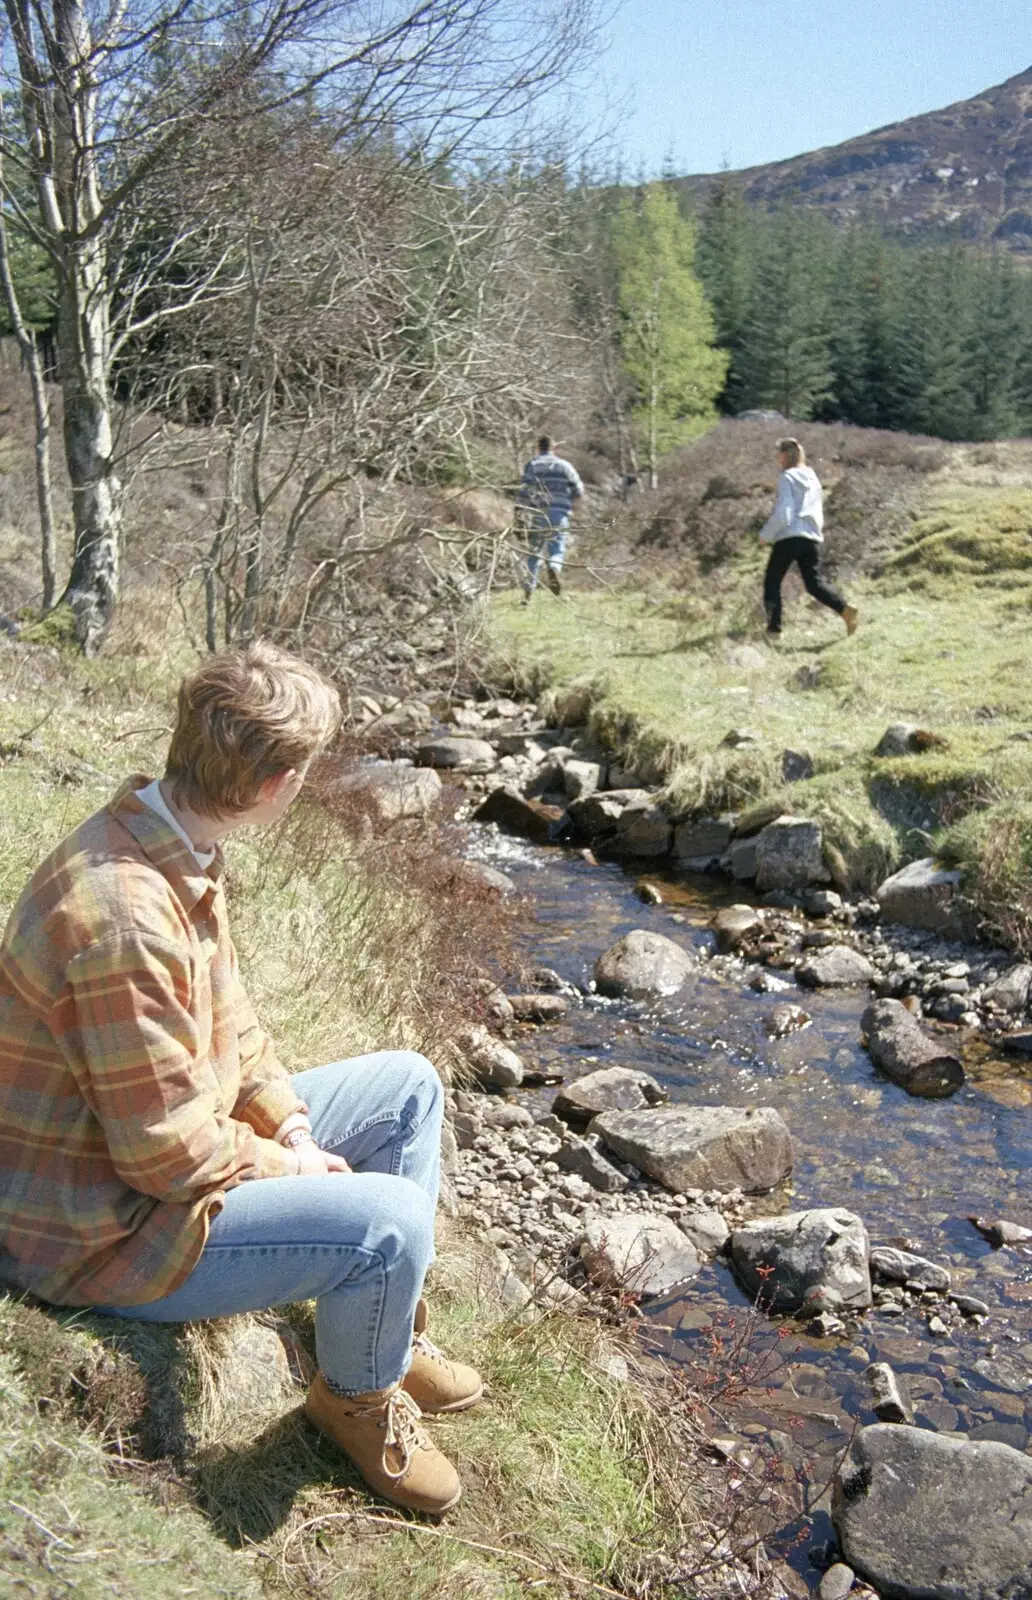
(750,81)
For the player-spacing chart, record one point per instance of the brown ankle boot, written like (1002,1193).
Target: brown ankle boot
(435,1383)
(381,1434)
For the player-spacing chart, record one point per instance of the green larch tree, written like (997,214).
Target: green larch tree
(666,330)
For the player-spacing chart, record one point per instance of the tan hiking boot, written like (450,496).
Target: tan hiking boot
(380,1432)
(435,1383)
(851,618)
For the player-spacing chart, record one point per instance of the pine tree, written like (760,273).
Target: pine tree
(865,329)
(934,339)
(725,262)
(992,354)
(666,327)
(785,357)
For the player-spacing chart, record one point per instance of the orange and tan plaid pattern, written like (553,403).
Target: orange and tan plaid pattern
(136,1084)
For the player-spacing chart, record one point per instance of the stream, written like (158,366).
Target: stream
(914,1170)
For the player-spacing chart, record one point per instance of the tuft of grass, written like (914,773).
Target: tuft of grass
(970,533)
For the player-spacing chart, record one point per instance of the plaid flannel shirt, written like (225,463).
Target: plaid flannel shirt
(136,1084)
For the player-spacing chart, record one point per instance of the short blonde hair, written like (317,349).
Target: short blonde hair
(793,450)
(243,717)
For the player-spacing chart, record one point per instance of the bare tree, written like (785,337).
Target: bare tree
(30,354)
(115,93)
(384,324)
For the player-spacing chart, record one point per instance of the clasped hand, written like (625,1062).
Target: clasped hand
(314,1162)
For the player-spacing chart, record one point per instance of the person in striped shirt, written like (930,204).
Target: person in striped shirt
(156,1159)
(550,490)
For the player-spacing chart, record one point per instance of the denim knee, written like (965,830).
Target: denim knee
(400,1226)
(412,1077)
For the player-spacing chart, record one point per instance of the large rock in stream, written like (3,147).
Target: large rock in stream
(927,1517)
(809,1261)
(837,967)
(901,1048)
(643,964)
(702,1147)
(608,1089)
(516,814)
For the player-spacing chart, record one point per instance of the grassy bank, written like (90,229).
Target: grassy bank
(126,1468)
(674,657)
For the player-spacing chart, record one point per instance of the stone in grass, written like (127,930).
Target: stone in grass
(905,739)
(790,854)
(643,964)
(645,1255)
(839,967)
(702,1147)
(490,1061)
(808,1261)
(796,766)
(608,1089)
(899,1266)
(924,1515)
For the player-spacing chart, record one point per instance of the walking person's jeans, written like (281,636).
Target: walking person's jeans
(547,543)
(806,553)
(357,1243)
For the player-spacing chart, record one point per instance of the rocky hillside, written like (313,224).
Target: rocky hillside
(962,172)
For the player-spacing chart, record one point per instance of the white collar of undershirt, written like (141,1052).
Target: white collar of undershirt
(153,797)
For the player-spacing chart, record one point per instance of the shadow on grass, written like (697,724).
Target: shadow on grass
(248,1492)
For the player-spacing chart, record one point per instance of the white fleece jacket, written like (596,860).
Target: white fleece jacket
(798,509)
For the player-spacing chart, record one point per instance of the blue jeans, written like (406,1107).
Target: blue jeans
(358,1243)
(554,535)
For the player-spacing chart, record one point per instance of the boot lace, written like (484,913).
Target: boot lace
(402,1430)
(422,1346)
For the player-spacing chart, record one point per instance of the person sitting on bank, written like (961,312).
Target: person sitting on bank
(796,531)
(156,1160)
(550,489)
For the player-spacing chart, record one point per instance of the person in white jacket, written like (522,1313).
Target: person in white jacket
(795,531)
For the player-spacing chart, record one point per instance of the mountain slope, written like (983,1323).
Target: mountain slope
(962,172)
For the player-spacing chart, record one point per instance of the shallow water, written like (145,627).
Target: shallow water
(913,1169)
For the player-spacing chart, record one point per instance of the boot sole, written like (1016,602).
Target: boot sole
(456,1405)
(406,1505)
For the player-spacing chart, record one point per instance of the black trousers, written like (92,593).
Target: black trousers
(806,553)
